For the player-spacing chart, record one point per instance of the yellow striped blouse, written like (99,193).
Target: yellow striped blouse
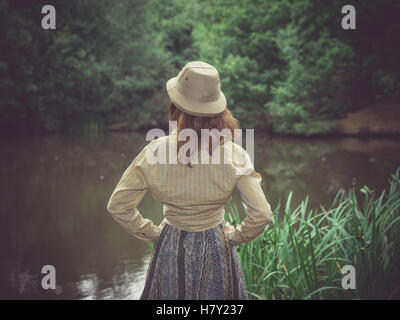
(193,196)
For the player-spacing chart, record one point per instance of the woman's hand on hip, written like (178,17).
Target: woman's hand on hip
(228,227)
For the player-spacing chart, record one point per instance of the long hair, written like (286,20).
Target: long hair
(224,120)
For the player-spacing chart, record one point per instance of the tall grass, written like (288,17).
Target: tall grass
(301,254)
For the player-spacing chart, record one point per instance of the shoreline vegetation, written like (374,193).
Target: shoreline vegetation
(380,120)
(376,121)
(302,253)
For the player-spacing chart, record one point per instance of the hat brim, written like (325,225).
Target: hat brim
(193,107)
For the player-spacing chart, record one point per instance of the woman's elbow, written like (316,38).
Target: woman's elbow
(118,207)
(267,214)
(111,207)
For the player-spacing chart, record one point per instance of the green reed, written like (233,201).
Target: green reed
(301,254)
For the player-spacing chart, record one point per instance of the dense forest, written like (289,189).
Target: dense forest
(287,66)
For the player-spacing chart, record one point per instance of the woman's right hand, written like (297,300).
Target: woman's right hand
(228,227)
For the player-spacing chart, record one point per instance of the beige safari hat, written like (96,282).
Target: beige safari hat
(196,90)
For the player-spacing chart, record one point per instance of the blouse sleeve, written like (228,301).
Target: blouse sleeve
(122,204)
(258,209)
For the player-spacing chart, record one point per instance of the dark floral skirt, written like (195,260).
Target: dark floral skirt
(194,266)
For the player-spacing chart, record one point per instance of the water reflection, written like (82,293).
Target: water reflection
(127,282)
(55,190)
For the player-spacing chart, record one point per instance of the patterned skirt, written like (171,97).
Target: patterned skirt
(194,266)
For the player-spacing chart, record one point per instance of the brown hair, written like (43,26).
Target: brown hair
(224,120)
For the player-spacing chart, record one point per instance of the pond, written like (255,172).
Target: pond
(55,190)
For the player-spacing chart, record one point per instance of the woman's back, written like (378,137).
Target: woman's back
(193,195)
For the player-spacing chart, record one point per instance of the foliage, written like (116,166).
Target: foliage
(100,63)
(284,65)
(301,256)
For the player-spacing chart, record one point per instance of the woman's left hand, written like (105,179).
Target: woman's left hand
(228,227)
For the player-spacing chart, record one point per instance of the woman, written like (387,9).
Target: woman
(194,255)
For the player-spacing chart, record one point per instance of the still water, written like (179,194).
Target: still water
(54,192)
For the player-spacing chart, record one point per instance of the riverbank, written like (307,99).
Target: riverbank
(377,120)
(383,119)
(374,121)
